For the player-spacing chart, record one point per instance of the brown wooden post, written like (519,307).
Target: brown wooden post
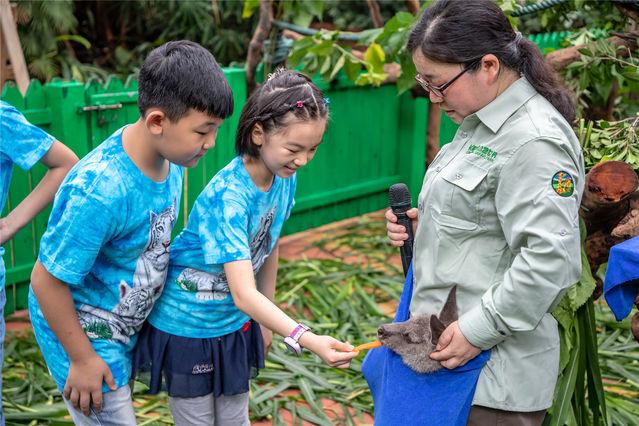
(11,49)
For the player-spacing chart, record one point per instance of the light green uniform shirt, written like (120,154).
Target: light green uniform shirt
(494,222)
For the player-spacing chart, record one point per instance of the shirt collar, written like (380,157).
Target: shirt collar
(495,114)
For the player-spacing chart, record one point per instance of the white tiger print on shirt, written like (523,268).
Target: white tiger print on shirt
(136,301)
(208,286)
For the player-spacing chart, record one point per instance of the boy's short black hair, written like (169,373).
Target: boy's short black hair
(285,91)
(180,75)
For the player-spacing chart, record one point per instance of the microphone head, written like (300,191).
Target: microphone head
(398,195)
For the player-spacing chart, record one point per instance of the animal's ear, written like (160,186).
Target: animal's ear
(123,289)
(436,329)
(448,314)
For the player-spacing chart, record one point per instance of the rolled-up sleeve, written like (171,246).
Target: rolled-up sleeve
(539,219)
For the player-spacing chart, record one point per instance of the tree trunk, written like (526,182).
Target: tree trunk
(628,227)
(609,194)
(255,46)
(606,195)
(634,326)
(432,135)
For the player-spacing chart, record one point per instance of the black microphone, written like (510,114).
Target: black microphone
(400,202)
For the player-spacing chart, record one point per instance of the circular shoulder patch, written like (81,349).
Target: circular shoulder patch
(563,183)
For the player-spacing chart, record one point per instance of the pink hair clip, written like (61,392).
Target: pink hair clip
(300,104)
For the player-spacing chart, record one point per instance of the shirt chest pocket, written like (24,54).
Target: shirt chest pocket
(464,185)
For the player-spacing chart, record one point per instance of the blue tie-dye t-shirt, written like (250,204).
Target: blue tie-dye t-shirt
(232,219)
(108,238)
(21,143)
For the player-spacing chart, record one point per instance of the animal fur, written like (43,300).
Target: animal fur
(415,339)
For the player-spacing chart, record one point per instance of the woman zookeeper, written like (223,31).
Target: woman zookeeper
(498,210)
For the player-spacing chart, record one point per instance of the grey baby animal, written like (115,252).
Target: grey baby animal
(415,339)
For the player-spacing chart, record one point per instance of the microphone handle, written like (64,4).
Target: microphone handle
(406,251)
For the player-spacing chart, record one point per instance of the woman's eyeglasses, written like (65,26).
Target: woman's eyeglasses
(439,90)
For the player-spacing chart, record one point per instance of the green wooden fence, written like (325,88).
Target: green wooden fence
(375,138)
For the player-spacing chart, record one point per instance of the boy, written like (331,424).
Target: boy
(104,257)
(24,144)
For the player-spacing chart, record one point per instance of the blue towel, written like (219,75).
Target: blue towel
(403,397)
(621,284)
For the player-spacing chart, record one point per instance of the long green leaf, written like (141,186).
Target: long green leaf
(562,407)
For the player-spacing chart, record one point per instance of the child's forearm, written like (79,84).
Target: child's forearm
(59,159)
(58,309)
(261,309)
(253,303)
(267,277)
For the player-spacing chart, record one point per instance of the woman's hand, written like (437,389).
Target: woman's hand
(453,349)
(397,233)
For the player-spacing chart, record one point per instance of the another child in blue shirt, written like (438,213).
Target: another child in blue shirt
(24,144)
(103,259)
(203,335)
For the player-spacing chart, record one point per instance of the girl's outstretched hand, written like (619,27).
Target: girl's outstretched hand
(332,351)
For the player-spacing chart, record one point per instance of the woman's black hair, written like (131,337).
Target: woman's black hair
(285,91)
(454,31)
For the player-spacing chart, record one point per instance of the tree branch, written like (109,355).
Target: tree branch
(413,6)
(376,15)
(629,11)
(560,59)
(216,12)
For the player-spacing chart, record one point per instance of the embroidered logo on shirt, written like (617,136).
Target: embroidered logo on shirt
(482,151)
(202,368)
(563,183)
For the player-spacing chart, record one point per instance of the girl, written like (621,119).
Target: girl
(203,335)
(498,210)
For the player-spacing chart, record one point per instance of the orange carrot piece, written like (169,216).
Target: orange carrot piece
(369,345)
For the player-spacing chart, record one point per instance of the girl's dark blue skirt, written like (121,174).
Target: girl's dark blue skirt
(190,367)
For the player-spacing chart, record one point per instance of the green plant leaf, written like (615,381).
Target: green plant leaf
(338,66)
(375,56)
(250,6)
(352,69)
(406,79)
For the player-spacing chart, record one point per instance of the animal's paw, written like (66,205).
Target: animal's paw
(205,295)
(220,295)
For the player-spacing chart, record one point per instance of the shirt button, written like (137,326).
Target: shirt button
(438,169)
(458,176)
(464,134)
(563,232)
